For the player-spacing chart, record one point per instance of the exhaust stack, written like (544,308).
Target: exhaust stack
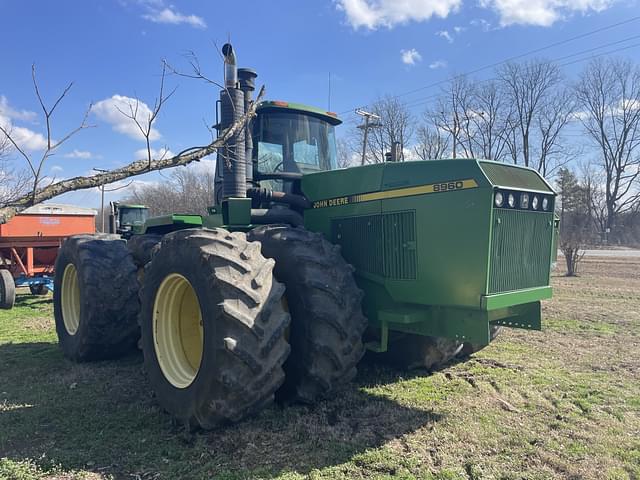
(247,79)
(232,108)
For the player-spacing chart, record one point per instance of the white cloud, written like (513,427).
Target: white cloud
(482,23)
(26,138)
(155,154)
(458,29)
(79,154)
(445,34)
(172,16)
(542,13)
(110,110)
(372,14)
(56,169)
(410,57)
(438,64)
(7,111)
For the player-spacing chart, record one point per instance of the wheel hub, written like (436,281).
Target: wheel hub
(70,299)
(177,330)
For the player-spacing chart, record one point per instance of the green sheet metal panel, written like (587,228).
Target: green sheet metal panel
(344,182)
(451,244)
(423,233)
(168,223)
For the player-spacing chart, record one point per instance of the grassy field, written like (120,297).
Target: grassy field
(562,403)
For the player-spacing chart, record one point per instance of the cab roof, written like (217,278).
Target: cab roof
(275,105)
(129,205)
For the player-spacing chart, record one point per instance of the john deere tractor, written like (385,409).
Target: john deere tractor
(127,219)
(300,267)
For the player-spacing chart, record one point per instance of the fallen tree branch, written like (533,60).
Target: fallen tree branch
(138,167)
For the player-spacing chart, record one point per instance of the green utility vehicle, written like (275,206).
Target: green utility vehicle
(300,267)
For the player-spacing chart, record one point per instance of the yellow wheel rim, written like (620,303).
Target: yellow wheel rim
(70,299)
(177,330)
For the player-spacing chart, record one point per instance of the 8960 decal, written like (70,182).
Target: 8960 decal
(443,187)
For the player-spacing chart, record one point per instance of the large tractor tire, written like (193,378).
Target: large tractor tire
(143,247)
(213,327)
(471,348)
(416,351)
(95,298)
(7,290)
(327,323)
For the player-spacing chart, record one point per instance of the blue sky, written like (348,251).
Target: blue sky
(112,50)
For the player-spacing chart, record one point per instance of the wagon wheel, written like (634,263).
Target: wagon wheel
(7,290)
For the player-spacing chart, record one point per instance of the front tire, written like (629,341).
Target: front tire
(325,303)
(95,298)
(213,327)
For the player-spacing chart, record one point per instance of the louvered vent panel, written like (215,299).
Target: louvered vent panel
(383,245)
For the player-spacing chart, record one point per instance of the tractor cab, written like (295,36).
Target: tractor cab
(292,138)
(126,219)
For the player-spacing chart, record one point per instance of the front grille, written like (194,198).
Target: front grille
(382,245)
(520,250)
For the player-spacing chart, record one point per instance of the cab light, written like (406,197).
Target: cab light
(524,200)
(545,204)
(534,202)
(498,199)
(511,200)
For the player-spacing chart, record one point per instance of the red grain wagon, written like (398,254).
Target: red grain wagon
(29,245)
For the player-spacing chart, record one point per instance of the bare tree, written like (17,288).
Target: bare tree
(13,182)
(609,96)
(186,190)
(554,115)
(491,121)
(527,87)
(397,126)
(432,144)
(145,125)
(36,165)
(452,114)
(347,152)
(593,180)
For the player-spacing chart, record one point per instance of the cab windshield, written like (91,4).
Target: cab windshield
(133,216)
(293,142)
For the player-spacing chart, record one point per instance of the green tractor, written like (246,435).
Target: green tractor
(127,219)
(300,267)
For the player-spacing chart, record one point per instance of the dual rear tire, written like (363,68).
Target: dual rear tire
(95,298)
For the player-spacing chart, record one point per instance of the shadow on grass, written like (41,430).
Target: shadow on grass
(102,417)
(35,302)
